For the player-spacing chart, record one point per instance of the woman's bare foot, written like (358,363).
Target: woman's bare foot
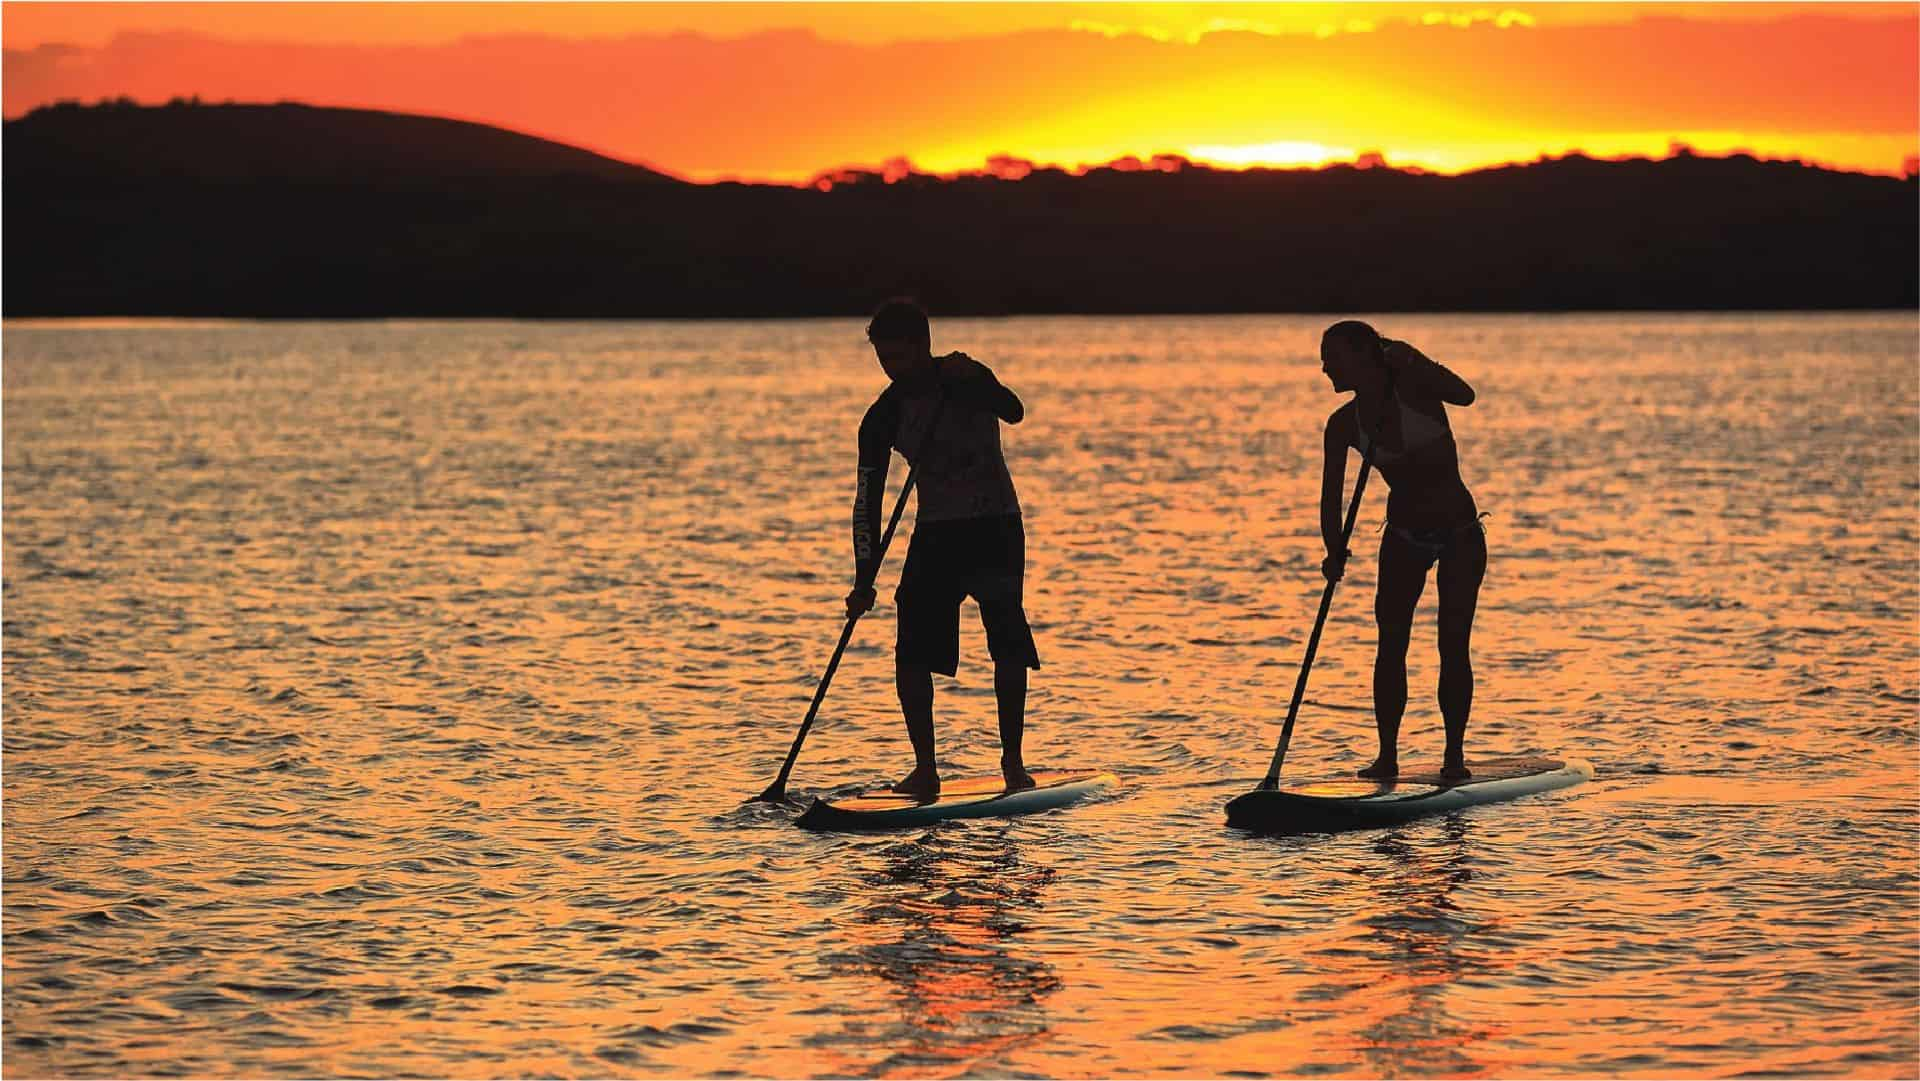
(1016,775)
(1455,769)
(1383,769)
(923,782)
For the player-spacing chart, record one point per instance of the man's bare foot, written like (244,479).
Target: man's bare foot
(923,782)
(1017,776)
(1455,769)
(1383,769)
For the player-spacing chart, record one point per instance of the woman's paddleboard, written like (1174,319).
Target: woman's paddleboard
(1347,803)
(974,797)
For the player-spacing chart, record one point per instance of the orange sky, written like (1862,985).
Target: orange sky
(784,91)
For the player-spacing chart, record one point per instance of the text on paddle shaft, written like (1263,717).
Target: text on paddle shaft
(862,529)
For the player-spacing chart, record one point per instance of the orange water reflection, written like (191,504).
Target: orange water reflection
(1416,938)
(942,936)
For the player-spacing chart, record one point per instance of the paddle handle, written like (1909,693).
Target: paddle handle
(864,580)
(1272,779)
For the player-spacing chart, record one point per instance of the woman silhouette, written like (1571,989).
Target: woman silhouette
(1399,410)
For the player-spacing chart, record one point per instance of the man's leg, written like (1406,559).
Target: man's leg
(1010,689)
(1010,641)
(928,605)
(914,682)
(1003,613)
(1001,591)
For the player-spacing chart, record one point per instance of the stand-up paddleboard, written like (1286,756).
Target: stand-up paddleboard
(1350,802)
(973,797)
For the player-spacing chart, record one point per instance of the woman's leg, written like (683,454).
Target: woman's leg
(1403,574)
(1462,568)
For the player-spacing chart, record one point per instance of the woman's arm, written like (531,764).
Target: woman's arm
(1418,376)
(1333,483)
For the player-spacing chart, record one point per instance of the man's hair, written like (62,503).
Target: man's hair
(1354,333)
(899,319)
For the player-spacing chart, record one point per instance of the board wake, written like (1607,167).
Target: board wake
(1346,803)
(972,797)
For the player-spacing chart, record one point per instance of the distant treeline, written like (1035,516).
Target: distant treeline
(195,210)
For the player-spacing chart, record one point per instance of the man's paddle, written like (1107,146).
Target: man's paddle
(777,791)
(1272,780)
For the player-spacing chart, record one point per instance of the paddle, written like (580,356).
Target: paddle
(777,791)
(1272,779)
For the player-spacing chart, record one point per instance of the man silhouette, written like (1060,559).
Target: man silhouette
(943,414)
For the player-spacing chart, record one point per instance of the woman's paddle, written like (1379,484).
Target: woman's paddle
(1272,780)
(777,791)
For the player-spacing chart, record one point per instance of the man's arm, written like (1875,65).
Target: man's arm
(1419,376)
(973,384)
(870,488)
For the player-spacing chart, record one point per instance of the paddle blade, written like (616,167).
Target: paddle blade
(775,793)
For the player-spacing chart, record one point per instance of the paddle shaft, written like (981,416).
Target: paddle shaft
(1272,779)
(777,791)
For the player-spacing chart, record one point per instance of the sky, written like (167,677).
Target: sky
(785,92)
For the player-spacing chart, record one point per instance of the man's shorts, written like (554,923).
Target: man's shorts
(985,558)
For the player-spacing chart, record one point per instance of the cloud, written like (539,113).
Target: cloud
(1462,20)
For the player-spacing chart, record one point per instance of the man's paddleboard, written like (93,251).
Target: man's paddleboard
(1350,802)
(974,797)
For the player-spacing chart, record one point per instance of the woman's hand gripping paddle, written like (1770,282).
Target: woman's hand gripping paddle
(1272,779)
(863,583)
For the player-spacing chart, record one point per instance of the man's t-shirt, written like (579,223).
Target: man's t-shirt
(960,470)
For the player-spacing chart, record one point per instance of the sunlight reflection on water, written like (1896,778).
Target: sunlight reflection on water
(379,699)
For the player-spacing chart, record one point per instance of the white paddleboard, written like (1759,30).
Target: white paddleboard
(1345,803)
(973,797)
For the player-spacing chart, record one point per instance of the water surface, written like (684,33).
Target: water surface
(380,700)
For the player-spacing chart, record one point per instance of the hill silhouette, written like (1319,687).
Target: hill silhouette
(286,142)
(249,211)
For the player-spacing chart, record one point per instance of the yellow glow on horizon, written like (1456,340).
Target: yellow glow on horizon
(1446,160)
(1281,154)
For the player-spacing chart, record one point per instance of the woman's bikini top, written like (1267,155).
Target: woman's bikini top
(1417,432)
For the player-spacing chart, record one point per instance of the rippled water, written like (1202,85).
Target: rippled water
(380,699)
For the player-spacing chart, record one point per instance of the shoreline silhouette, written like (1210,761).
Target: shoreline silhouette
(470,224)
